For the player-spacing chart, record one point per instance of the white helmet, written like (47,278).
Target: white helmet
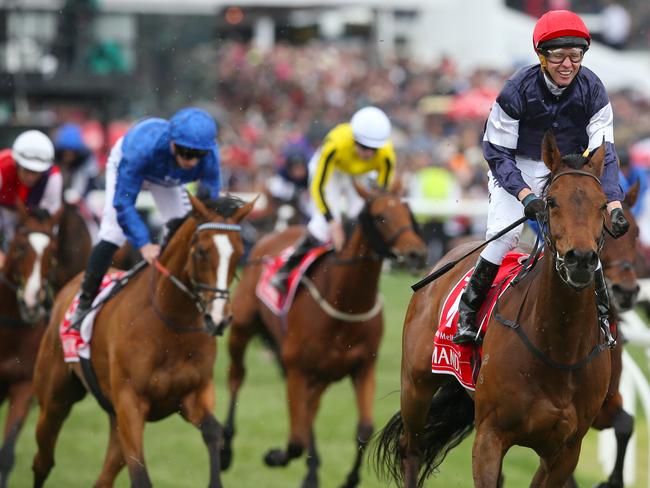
(34,151)
(371,127)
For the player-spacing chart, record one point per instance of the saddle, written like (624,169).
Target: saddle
(277,302)
(463,361)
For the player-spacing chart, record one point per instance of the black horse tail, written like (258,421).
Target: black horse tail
(449,421)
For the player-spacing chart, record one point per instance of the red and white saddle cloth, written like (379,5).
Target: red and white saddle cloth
(463,361)
(276,302)
(76,343)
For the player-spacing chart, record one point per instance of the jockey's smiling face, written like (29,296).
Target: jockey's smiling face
(563,64)
(27,177)
(187,158)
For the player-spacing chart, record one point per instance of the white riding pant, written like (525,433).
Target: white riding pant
(171,201)
(341,197)
(504,209)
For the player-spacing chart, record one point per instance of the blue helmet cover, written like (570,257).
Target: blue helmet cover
(69,138)
(193,128)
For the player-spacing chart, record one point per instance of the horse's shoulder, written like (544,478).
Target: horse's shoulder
(274,243)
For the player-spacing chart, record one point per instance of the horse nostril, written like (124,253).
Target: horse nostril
(570,258)
(582,259)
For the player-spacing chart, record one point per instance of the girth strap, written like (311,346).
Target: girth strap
(90,378)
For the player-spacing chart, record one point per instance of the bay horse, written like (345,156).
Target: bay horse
(25,301)
(618,258)
(160,313)
(545,369)
(332,329)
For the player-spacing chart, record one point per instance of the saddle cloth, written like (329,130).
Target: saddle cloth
(76,343)
(277,303)
(463,361)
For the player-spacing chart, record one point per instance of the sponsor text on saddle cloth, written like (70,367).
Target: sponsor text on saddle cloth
(268,294)
(460,360)
(76,343)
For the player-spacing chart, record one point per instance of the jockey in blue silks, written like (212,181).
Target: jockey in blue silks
(160,156)
(561,95)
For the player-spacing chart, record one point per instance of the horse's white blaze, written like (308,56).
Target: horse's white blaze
(39,242)
(225,250)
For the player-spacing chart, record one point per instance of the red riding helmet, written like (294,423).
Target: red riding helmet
(560,28)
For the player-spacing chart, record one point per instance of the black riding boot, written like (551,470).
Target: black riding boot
(472,299)
(303,246)
(98,263)
(602,305)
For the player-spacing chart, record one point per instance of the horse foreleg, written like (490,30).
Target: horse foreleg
(197,409)
(131,413)
(364,387)
(313,463)
(240,336)
(623,424)
(20,397)
(303,403)
(556,471)
(114,460)
(487,457)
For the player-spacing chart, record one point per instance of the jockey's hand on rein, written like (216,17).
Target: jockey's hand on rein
(533,206)
(620,225)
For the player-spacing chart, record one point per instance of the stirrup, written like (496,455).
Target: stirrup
(78,317)
(467,336)
(609,339)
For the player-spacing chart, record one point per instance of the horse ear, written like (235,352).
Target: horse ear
(632,194)
(397,186)
(197,206)
(245,210)
(361,190)
(550,153)
(597,159)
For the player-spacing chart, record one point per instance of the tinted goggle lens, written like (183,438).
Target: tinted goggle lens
(190,153)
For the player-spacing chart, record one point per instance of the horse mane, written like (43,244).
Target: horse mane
(225,206)
(573,161)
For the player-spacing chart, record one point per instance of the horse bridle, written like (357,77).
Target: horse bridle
(197,287)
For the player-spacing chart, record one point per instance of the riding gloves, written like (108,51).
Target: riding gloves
(620,225)
(533,206)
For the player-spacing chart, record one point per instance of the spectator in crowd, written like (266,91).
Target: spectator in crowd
(615,25)
(566,91)
(161,155)
(28,175)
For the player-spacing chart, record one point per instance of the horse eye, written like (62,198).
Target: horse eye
(201,253)
(380,219)
(551,202)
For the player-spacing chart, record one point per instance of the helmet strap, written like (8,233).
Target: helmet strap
(542,60)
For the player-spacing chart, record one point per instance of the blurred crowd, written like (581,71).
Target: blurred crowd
(277,105)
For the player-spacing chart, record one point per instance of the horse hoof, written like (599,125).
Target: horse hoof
(275,457)
(225,458)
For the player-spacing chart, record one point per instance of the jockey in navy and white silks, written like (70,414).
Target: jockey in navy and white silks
(560,95)
(160,156)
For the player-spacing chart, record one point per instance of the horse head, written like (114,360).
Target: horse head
(618,258)
(389,226)
(30,259)
(215,249)
(576,208)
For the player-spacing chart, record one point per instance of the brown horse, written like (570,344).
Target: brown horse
(25,300)
(618,258)
(160,313)
(545,369)
(333,327)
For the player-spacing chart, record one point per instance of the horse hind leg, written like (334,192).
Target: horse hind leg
(20,397)
(240,336)
(57,390)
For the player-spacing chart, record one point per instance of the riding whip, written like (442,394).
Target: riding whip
(439,272)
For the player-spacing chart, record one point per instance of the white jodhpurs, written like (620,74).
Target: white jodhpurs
(172,202)
(504,209)
(341,197)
